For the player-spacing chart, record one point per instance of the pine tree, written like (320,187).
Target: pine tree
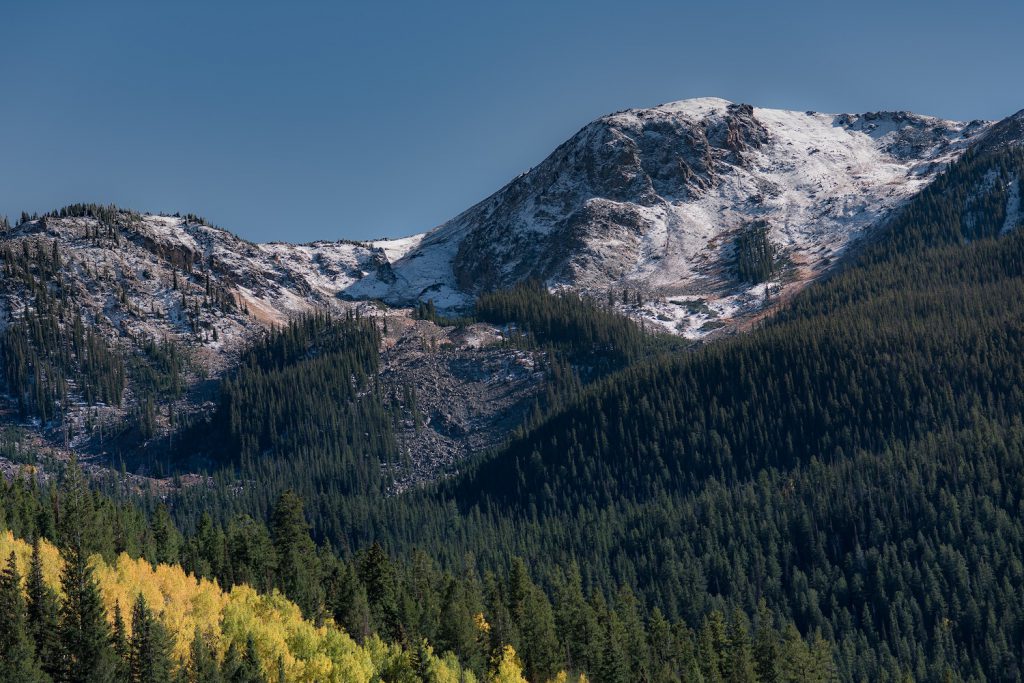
(766,646)
(377,575)
(248,669)
(76,520)
(150,660)
(120,644)
(711,646)
(738,666)
(634,633)
(347,601)
(797,660)
(613,665)
(231,664)
(84,633)
(18,660)
(202,662)
(540,640)
(166,536)
(577,623)
(661,645)
(43,610)
(298,568)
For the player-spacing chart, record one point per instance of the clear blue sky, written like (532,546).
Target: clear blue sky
(299,121)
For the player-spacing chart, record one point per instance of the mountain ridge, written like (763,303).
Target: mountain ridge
(648,200)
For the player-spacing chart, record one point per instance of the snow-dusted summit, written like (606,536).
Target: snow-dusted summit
(649,200)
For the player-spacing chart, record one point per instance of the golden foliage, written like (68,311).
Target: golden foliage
(183,602)
(506,668)
(563,677)
(481,623)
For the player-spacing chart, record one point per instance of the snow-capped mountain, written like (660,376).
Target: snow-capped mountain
(149,276)
(644,200)
(648,200)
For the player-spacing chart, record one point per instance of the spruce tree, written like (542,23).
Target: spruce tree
(661,646)
(166,536)
(298,568)
(18,661)
(248,668)
(540,640)
(202,661)
(84,634)
(76,517)
(42,608)
(577,624)
(149,660)
(738,665)
(231,664)
(347,601)
(766,647)
(119,641)
(711,646)
(378,576)
(613,665)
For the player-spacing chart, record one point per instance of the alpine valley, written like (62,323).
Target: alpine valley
(712,393)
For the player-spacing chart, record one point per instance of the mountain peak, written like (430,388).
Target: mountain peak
(695,106)
(649,200)
(652,200)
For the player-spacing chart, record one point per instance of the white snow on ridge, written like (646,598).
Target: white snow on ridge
(650,199)
(644,200)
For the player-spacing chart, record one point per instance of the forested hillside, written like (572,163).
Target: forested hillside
(110,602)
(854,463)
(835,494)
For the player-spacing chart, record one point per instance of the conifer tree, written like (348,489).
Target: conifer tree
(576,622)
(247,668)
(766,646)
(18,661)
(633,632)
(738,666)
(661,646)
(377,575)
(87,655)
(298,568)
(231,664)
(166,536)
(76,518)
(150,660)
(540,640)
(346,599)
(120,644)
(202,662)
(42,609)
(613,665)
(711,647)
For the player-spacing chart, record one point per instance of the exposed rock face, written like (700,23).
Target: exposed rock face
(470,392)
(136,278)
(1009,131)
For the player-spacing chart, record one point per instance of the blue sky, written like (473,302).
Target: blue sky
(299,121)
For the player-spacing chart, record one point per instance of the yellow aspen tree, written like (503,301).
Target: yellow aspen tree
(507,668)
